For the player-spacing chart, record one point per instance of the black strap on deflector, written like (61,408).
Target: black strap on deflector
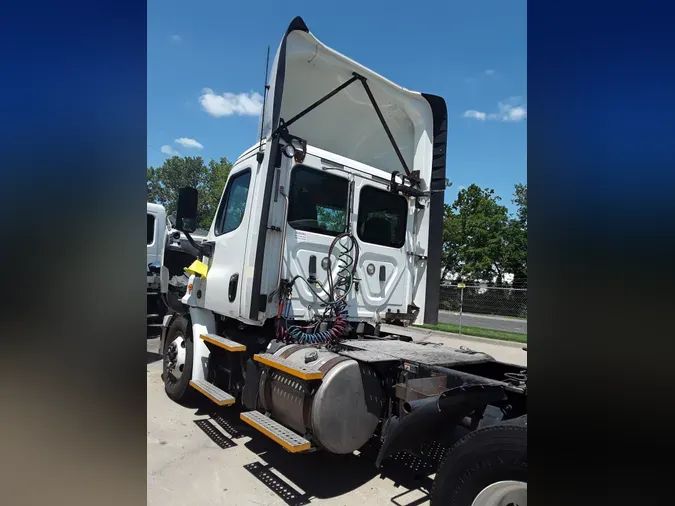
(356,77)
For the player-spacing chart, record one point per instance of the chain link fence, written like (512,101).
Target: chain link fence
(484,306)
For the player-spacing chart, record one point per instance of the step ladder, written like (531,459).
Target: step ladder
(223,342)
(288,439)
(306,373)
(215,394)
(218,396)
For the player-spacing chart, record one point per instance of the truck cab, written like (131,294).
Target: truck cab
(343,150)
(326,243)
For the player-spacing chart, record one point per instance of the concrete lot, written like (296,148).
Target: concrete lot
(203,456)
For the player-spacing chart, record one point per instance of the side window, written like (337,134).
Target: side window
(317,201)
(151,229)
(382,217)
(233,206)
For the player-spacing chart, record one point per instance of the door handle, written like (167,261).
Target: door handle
(312,269)
(232,290)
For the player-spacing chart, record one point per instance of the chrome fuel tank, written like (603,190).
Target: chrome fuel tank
(342,412)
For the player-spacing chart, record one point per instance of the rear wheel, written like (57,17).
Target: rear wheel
(487,467)
(177,355)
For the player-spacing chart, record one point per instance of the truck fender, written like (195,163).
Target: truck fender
(433,414)
(166,324)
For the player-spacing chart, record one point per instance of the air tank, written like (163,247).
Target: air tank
(340,412)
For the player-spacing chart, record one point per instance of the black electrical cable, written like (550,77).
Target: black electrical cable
(290,285)
(336,305)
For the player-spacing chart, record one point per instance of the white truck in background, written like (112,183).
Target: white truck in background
(325,244)
(168,251)
(156,243)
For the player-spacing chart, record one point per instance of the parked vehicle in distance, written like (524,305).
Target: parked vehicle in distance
(169,250)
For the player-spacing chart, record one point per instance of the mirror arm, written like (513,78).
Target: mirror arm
(196,246)
(203,249)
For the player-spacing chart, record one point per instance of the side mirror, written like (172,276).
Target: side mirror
(186,212)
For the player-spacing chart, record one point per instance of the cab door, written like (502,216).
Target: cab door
(318,212)
(321,205)
(384,230)
(229,233)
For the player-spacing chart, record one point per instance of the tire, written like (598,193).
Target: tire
(483,457)
(178,390)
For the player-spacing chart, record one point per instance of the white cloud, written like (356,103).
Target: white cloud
(176,38)
(189,143)
(475,115)
(489,72)
(510,113)
(169,151)
(228,104)
(510,110)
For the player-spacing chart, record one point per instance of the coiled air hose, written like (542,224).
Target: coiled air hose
(336,305)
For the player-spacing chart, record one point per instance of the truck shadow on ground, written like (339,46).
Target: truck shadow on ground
(153,331)
(298,479)
(153,357)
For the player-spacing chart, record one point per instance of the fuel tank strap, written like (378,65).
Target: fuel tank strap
(328,365)
(299,371)
(288,351)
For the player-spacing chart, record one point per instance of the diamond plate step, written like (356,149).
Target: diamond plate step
(299,371)
(275,431)
(222,342)
(214,393)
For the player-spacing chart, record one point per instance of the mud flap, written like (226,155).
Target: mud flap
(434,415)
(249,397)
(166,323)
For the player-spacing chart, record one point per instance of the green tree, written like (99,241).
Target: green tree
(480,240)
(452,242)
(164,183)
(520,200)
(217,173)
(516,239)
(473,235)
(482,224)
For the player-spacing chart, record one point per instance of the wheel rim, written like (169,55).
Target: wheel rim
(175,358)
(502,493)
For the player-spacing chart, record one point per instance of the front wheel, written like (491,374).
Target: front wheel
(487,467)
(177,360)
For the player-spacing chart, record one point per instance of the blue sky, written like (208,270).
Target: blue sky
(472,53)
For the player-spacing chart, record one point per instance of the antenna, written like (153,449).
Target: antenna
(267,87)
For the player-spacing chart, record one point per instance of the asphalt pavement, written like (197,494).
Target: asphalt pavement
(484,321)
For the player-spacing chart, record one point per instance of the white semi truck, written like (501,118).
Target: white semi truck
(156,244)
(168,253)
(325,245)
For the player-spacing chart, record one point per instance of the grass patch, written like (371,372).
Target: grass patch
(478,315)
(478,332)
